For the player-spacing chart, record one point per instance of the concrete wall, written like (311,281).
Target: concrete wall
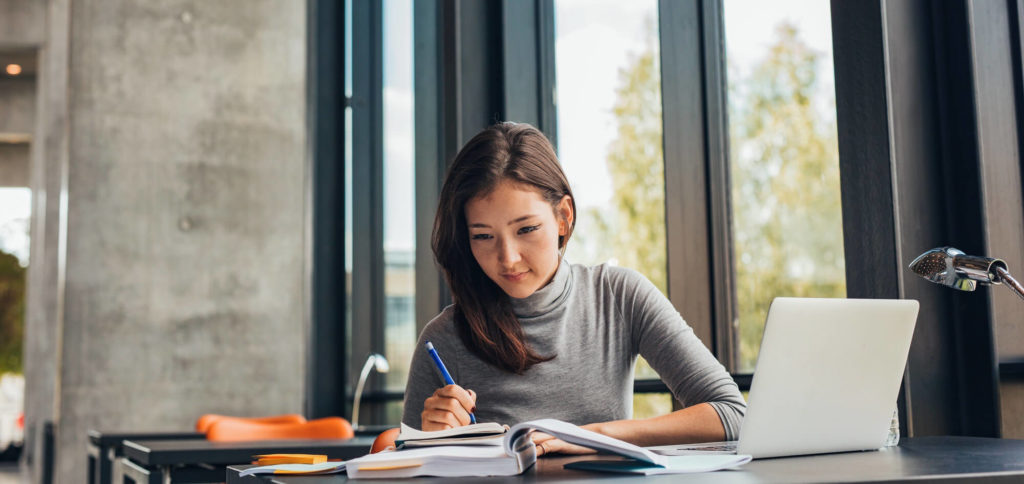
(22,22)
(171,283)
(14,164)
(17,105)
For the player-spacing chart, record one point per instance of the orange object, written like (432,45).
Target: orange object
(204,422)
(233,430)
(274,459)
(384,440)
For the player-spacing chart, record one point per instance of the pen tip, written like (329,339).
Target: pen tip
(430,346)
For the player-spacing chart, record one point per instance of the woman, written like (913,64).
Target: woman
(538,337)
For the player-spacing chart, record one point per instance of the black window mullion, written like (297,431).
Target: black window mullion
(367,325)
(723,300)
(326,366)
(429,131)
(685,151)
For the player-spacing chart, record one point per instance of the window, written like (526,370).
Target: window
(16,209)
(787,226)
(610,143)
(399,195)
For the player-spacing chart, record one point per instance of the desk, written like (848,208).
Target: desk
(161,461)
(105,448)
(951,459)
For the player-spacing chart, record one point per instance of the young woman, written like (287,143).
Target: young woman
(532,336)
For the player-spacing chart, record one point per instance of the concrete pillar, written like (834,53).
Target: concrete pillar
(169,175)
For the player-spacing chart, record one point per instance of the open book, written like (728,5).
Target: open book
(517,453)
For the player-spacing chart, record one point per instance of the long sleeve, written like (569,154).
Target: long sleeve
(684,363)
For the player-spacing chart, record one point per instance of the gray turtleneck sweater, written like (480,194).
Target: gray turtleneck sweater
(596,320)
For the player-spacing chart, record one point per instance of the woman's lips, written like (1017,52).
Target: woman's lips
(515,276)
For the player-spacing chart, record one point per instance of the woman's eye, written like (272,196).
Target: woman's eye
(526,230)
(480,236)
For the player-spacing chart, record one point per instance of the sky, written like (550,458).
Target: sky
(15,209)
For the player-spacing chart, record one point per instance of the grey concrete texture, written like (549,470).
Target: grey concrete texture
(45,289)
(17,106)
(14,165)
(184,282)
(22,23)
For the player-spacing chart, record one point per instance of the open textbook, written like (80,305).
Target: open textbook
(517,453)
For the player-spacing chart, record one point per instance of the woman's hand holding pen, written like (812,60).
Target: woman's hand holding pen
(448,407)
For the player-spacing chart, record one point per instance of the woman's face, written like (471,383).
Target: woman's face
(513,233)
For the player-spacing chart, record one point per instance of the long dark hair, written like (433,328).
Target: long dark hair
(515,152)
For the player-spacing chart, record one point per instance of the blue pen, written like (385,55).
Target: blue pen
(444,372)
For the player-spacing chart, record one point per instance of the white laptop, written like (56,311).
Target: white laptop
(827,378)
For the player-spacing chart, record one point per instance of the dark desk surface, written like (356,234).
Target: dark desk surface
(103,438)
(923,458)
(195,451)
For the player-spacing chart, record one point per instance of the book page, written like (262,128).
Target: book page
(579,436)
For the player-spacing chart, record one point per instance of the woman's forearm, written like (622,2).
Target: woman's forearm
(699,423)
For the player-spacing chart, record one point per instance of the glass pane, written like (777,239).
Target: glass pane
(399,223)
(651,404)
(15,213)
(353,359)
(787,221)
(609,89)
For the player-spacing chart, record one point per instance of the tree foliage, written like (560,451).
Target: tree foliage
(12,312)
(632,232)
(787,230)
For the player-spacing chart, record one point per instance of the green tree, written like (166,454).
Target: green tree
(787,232)
(12,312)
(633,231)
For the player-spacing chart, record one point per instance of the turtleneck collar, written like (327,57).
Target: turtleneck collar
(548,297)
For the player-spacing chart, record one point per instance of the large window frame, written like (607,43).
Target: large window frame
(890,61)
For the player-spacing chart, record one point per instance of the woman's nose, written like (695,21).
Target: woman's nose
(509,253)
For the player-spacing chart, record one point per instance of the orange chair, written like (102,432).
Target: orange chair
(384,440)
(233,430)
(205,421)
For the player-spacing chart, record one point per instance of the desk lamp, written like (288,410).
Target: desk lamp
(951,267)
(377,361)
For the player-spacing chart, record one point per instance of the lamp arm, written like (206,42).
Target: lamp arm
(1009,281)
(359,390)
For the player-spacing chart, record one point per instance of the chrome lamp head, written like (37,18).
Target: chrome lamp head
(374,361)
(951,267)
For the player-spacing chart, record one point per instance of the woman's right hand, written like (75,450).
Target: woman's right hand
(448,407)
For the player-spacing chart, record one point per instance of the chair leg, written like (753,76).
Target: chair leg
(136,474)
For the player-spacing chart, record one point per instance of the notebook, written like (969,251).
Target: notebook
(828,375)
(517,453)
(477,434)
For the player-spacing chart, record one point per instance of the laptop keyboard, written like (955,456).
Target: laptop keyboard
(718,447)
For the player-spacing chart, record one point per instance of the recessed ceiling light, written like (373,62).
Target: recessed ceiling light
(13,69)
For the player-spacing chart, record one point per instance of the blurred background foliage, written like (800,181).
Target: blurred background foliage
(787,219)
(12,313)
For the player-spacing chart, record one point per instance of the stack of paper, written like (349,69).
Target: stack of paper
(296,469)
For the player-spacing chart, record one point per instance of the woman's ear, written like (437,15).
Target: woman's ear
(566,215)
